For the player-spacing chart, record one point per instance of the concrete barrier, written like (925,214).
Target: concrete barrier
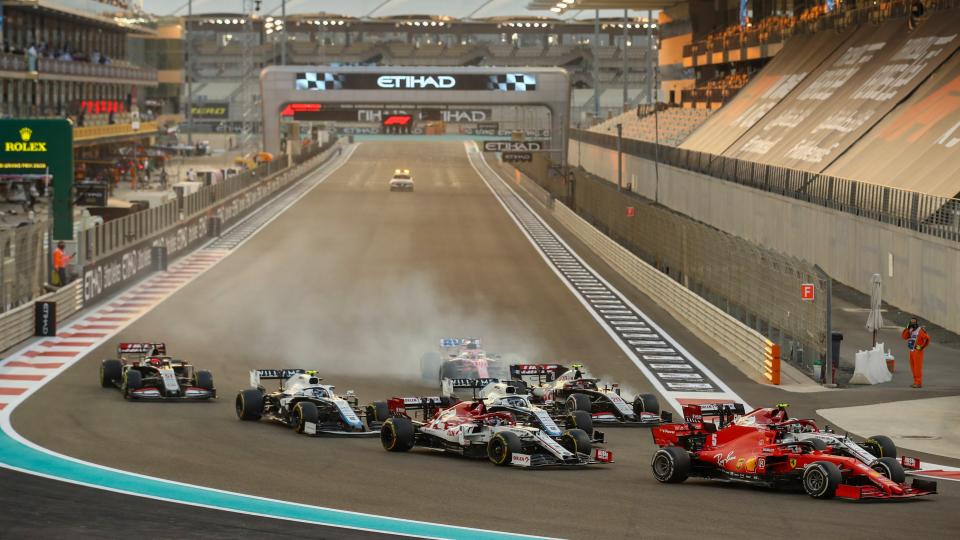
(921,273)
(745,348)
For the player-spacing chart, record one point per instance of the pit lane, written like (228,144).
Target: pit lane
(358,282)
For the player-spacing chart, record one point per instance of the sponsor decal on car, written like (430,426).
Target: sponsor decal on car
(603,456)
(520,460)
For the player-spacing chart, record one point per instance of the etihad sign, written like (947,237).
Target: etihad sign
(416,82)
(25,144)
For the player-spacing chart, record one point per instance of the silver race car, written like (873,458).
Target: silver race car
(302,403)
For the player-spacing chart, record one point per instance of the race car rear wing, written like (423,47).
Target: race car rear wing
(428,405)
(449,386)
(454,343)
(258,375)
(723,412)
(142,349)
(536,373)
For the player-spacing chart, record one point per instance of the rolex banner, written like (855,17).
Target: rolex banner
(42,150)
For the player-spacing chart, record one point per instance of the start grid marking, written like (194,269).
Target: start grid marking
(669,367)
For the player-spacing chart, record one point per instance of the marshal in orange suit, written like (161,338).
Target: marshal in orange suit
(917,340)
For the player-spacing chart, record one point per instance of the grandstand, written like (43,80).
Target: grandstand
(675,124)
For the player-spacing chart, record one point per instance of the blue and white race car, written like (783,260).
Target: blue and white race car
(303,403)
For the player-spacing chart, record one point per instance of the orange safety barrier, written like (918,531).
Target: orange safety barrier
(771,363)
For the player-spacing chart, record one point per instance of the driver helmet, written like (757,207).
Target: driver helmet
(155,361)
(577,371)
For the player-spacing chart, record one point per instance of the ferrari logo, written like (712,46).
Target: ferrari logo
(793,463)
(751,464)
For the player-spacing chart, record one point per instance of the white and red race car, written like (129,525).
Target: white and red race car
(469,429)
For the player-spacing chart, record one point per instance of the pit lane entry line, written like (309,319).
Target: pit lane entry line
(26,371)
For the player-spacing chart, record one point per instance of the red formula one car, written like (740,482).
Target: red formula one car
(766,448)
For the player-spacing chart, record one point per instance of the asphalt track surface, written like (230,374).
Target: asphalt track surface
(358,282)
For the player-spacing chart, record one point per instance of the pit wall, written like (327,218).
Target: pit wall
(921,274)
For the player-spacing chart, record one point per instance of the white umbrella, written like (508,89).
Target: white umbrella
(875,319)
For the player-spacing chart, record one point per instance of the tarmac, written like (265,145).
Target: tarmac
(359,282)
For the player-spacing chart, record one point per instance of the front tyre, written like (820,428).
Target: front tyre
(821,480)
(576,441)
(580,419)
(647,403)
(671,465)
(881,446)
(397,434)
(111,372)
(891,468)
(249,404)
(502,446)
(578,402)
(203,379)
(302,413)
(132,380)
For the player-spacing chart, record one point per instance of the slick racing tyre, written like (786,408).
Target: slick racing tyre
(203,379)
(132,380)
(502,447)
(582,420)
(578,402)
(576,441)
(647,403)
(397,434)
(303,412)
(891,468)
(249,404)
(881,446)
(671,465)
(377,412)
(111,371)
(821,479)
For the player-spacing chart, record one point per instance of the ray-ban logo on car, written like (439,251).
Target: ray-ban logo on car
(416,81)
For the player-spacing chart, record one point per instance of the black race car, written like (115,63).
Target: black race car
(562,390)
(143,371)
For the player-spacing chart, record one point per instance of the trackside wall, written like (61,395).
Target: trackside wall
(921,273)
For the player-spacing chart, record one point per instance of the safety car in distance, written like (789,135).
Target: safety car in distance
(143,371)
(561,390)
(469,429)
(763,448)
(401,180)
(462,367)
(302,403)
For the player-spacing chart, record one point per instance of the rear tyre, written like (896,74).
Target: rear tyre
(881,446)
(203,379)
(647,403)
(111,371)
(502,447)
(891,468)
(671,465)
(578,402)
(378,412)
(582,420)
(249,404)
(821,480)
(303,412)
(576,441)
(132,380)
(397,434)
